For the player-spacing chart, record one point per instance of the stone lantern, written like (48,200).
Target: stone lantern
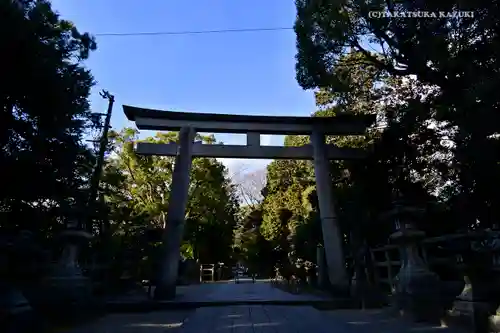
(416,289)
(67,279)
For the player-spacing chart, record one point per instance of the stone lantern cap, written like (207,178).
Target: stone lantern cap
(74,234)
(401,210)
(408,232)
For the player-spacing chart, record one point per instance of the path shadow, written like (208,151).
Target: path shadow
(152,322)
(383,320)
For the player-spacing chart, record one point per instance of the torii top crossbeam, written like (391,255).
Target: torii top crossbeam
(344,124)
(253,126)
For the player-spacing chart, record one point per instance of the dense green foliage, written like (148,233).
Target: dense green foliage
(45,112)
(44,122)
(435,146)
(136,190)
(441,111)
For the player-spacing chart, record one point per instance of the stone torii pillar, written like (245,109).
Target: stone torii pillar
(332,237)
(174,230)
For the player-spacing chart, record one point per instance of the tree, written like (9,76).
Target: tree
(45,112)
(212,210)
(251,247)
(291,185)
(137,189)
(450,60)
(249,186)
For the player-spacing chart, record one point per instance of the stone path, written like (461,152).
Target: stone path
(257,319)
(381,321)
(261,290)
(254,318)
(151,322)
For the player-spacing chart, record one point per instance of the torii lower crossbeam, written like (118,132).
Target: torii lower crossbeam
(251,152)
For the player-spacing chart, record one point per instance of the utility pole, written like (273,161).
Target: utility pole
(96,176)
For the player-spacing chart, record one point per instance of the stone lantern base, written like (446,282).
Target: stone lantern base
(419,296)
(18,312)
(69,290)
(471,309)
(69,283)
(69,296)
(417,290)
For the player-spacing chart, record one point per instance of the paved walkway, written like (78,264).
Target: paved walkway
(254,318)
(260,291)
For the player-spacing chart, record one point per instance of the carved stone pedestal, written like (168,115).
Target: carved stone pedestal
(471,308)
(417,289)
(20,262)
(69,288)
(69,284)
(19,315)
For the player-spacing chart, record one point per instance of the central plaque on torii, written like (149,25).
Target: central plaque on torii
(253,126)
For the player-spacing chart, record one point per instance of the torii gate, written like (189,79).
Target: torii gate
(253,126)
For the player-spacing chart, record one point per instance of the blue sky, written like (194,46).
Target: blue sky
(250,73)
